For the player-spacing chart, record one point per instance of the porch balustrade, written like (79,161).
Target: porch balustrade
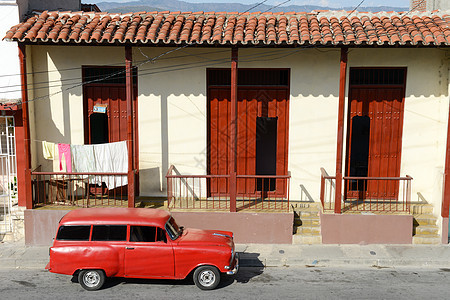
(79,189)
(212,192)
(367,194)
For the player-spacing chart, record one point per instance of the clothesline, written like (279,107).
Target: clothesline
(101,158)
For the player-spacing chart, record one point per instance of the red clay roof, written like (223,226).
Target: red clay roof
(336,28)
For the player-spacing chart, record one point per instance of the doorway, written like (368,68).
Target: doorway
(262,129)
(266,152)
(105,109)
(374,134)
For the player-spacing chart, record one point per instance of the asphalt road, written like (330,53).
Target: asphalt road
(249,283)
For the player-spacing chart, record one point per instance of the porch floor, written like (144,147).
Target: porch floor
(200,205)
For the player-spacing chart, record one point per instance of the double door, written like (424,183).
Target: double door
(262,139)
(374,142)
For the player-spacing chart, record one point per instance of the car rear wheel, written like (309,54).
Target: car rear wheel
(207,277)
(91,280)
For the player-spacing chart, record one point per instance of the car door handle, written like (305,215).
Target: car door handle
(129,248)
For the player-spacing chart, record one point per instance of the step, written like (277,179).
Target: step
(417,209)
(427,240)
(426,230)
(308,221)
(305,205)
(425,219)
(308,213)
(305,239)
(308,230)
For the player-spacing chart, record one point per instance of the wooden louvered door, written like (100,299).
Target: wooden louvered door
(374,141)
(107,86)
(115,118)
(262,124)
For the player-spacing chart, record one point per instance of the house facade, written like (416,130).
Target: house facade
(227,112)
(13,12)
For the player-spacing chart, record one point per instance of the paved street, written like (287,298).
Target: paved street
(250,283)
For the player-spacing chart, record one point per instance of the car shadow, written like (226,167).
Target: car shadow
(250,267)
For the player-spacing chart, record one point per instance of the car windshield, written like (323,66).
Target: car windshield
(172,229)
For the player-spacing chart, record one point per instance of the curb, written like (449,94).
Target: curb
(17,263)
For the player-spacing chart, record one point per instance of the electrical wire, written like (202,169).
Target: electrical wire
(413,8)
(355,9)
(273,7)
(97,78)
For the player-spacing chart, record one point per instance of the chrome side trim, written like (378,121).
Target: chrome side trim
(221,234)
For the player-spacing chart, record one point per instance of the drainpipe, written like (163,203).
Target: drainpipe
(233,128)
(340,130)
(129,99)
(25,191)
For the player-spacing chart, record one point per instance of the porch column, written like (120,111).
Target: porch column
(129,99)
(340,131)
(23,154)
(233,128)
(446,196)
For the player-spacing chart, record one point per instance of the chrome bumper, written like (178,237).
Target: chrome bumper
(236,266)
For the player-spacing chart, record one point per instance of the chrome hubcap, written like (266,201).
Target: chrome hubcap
(207,278)
(91,279)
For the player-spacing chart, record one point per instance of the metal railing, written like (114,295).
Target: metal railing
(212,192)
(327,190)
(367,194)
(377,194)
(7,185)
(79,189)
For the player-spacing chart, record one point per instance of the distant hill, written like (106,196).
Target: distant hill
(177,5)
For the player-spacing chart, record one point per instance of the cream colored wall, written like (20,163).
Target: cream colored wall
(314,91)
(173,118)
(59,108)
(181,96)
(172,113)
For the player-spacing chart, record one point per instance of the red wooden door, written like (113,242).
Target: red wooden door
(252,103)
(114,96)
(377,141)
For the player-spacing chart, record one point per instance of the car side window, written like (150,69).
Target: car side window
(73,233)
(109,233)
(147,234)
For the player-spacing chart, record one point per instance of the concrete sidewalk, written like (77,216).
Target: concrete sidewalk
(17,255)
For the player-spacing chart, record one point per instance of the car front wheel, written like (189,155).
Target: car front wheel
(207,277)
(91,280)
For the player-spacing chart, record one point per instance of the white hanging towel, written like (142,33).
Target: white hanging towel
(111,158)
(83,159)
(48,150)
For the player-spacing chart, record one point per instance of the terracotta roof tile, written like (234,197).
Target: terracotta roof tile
(314,28)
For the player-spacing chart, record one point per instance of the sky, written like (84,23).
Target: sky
(329,3)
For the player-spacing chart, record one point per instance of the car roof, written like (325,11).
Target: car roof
(116,216)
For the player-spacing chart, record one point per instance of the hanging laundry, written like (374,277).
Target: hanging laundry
(83,158)
(48,150)
(119,155)
(111,158)
(64,149)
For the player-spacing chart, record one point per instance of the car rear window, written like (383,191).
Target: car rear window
(109,232)
(73,233)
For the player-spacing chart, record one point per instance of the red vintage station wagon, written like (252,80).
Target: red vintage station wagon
(96,243)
